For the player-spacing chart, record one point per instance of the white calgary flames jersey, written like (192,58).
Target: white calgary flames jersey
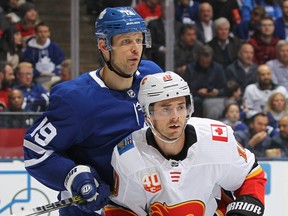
(149,184)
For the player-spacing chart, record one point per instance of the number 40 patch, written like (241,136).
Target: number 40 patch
(152,183)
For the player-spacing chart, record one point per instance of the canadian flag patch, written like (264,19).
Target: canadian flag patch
(219,132)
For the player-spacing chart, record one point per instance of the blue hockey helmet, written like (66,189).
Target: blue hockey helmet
(120,20)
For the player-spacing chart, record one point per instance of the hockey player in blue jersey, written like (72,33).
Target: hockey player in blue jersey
(69,148)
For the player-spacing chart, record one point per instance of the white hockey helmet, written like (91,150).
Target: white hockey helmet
(163,86)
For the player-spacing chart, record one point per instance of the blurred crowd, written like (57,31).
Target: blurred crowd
(232,53)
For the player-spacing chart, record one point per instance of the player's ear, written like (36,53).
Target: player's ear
(102,46)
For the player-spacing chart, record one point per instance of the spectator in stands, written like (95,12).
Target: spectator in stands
(271,7)
(9,76)
(232,93)
(205,23)
(16,101)
(206,79)
(228,9)
(275,108)
(280,140)
(11,47)
(232,117)
(44,54)
(225,47)
(157,30)
(65,72)
(6,79)
(29,19)
(16,120)
(186,11)
(279,66)
(246,28)
(186,48)
(36,97)
(11,9)
(281,23)
(149,9)
(264,43)
(256,95)
(256,138)
(243,70)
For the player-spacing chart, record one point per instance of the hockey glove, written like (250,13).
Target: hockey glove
(245,205)
(85,181)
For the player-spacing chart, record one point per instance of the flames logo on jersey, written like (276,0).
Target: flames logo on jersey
(189,208)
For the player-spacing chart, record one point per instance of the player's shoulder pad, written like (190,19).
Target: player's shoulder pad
(148,67)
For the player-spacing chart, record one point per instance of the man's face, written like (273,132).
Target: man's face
(16,99)
(43,34)
(205,12)
(264,74)
(267,27)
(222,32)
(169,117)
(283,127)
(255,17)
(65,74)
(184,3)
(246,54)
(204,60)
(9,75)
(259,124)
(25,76)
(283,54)
(126,52)
(189,37)
(285,9)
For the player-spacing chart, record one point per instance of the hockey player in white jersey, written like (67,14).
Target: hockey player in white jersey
(179,165)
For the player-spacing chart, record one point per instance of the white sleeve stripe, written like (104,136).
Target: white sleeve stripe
(35,148)
(46,97)
(33,162)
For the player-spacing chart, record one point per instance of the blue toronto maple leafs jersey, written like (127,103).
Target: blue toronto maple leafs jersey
(84,121)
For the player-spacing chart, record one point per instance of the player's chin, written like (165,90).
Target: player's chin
(175,134)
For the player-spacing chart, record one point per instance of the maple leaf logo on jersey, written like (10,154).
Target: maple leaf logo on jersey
(219,132)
